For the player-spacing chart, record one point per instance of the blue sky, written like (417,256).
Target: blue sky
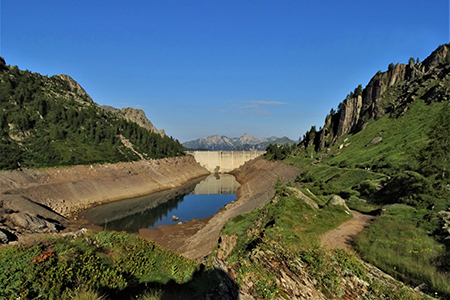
(199,68)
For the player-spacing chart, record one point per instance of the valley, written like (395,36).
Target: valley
(358,209)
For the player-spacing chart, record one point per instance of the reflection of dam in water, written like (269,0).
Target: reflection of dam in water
(217,184)
(197,199)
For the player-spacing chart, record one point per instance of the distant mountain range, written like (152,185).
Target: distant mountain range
(245,142)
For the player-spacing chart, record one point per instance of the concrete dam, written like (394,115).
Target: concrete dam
(223,161)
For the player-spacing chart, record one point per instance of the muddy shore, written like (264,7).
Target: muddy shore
(67,191)
(196,239)
(47,200)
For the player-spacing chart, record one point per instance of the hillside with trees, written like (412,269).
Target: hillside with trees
(51,121)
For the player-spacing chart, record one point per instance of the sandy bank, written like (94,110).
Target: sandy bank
(72,189)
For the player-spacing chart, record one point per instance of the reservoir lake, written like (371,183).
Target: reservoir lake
(198,199)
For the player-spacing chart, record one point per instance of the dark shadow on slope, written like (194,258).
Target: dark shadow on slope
(205,284)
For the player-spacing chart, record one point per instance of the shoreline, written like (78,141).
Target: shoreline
(69,191)
(49,200)
(196,239)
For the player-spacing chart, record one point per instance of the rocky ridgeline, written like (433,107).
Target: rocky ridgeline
(245,142)
(134,115)
(387,92)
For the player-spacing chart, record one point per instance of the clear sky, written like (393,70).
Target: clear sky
(204,67)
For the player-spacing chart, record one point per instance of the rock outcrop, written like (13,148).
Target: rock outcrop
(75,86)
(19,216)
(387,92)
(134,115)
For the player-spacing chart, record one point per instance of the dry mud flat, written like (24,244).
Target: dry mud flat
(198,238)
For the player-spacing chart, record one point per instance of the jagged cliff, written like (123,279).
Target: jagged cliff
(389,92)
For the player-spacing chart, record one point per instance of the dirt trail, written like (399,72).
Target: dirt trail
(342,237)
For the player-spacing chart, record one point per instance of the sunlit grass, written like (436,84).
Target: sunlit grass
(396,244)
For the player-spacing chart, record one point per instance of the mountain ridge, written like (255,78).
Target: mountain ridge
(392,91)
(52,121)
(245,142)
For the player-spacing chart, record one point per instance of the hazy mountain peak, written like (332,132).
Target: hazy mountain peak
(244,142)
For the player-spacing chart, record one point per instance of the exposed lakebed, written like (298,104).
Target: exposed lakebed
(200,198)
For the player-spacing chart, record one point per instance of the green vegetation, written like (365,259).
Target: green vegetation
(285,233)
(99,266)
(43,122)
(400,243)
(276,152)
(408,165)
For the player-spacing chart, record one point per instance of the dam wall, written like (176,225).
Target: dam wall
(223,161)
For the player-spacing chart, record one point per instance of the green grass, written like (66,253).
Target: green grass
(399,244)
(384,173)
(287,230)
(402,137)
(115,265)
(361,205)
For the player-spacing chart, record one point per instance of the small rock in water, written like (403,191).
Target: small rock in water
(179,223)
(174,218)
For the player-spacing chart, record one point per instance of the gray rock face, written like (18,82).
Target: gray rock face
(388,92)
(19,216)
(134,115)
(75,86)
(34,223)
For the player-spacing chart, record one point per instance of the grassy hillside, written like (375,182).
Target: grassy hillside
(280,243)
(402,158)
(51,121)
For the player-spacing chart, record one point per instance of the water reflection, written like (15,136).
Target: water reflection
(198,199)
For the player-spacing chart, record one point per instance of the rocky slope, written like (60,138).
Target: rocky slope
(134,115)
(62,192)
(246,142)
(387,92)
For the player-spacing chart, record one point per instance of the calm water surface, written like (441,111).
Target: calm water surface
(200,198)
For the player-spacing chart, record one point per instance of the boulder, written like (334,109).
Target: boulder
(305,198)
(33,223)
(3,238)
(337,200)
(6,236)
(374,141)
